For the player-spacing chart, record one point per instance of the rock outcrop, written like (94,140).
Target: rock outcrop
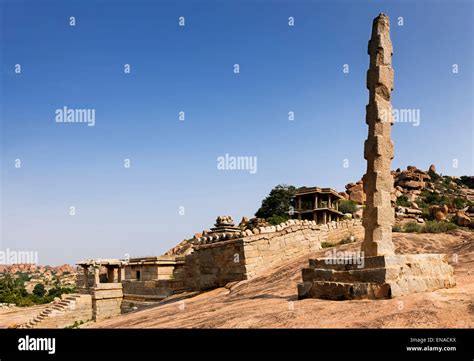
(439,213)
(355,192)
(417,194)
(463,220)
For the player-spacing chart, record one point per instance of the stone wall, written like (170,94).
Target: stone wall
(220,259)
(215,265)
(147,272)
(151,290)
(72,308)
(160,280)
(341,230)
(106,301)
(150,272)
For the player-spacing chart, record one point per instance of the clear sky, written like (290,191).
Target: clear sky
(137,210)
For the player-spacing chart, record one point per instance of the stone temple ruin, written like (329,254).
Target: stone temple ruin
(318,204)
(224,254)
(229,253)
(106,291)
(384,274)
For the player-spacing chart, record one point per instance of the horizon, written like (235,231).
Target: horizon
(174,164)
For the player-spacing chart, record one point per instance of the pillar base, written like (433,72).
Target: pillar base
(375,277)
(106,300)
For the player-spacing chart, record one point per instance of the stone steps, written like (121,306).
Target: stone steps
(377,277)
(52,311)
(343,290)
(345,264)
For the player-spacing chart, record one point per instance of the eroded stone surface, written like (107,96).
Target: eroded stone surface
(377,272)
(379,277)
(378,150)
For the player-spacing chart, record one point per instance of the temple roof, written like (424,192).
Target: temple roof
(102,262)
(317,190)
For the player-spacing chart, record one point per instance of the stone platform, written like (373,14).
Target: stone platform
(375,277)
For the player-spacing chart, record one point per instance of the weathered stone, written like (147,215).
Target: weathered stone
(378,216)
(377,272)
(224,224)
(411,184)
(378,277)
(462,219)
(243,223)
(439,212)
(356,192)
(413,211)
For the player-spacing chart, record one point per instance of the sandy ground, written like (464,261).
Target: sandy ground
(269,301)
(19,315)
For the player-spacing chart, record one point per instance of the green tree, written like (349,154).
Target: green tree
(57,292)
(39,290)
(276,219)
(347,206)
(277,203)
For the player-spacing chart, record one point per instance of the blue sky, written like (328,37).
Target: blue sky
(136,211)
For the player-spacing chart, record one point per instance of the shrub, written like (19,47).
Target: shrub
(403,201)
(434,176)
(459,203)
(438,227)
(433,198)
(347,206)
(276,219)
(76,324)
(327,244)
(347,240)
(397,228)
(426,214)
(412,227)
(446,181)
(468,181)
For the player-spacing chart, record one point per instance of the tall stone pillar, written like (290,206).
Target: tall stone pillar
(378,215)
(383,274)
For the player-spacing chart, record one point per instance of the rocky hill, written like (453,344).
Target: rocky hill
(27,276)
(33,268)
(426,195)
